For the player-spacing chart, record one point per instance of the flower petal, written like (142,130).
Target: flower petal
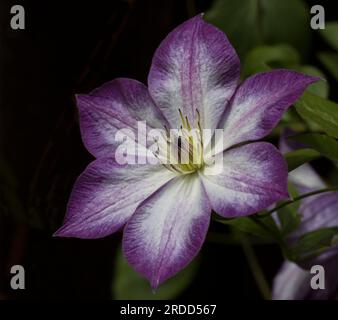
(106,195)
(249,179)
(259,103)
(305,178)
(291,282)
(195,67)
(118,104)
(294,283)
(286,144)
(319,211)
(168,229)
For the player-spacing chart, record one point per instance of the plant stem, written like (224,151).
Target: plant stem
(255,268)
(275,234)
(305,195)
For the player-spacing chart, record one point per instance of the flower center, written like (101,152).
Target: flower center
(182,150)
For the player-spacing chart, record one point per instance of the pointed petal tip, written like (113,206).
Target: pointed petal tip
(66,231)
(198,16)
(305,78)
(79,96)
(153,251)
(312,79)
(154,283)
(81,100)
(154,280)
(55,234)
(215,80)
(60,233)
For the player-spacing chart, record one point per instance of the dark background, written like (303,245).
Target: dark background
(71,47)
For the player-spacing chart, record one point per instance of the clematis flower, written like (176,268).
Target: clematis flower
(320,211)
(193,83)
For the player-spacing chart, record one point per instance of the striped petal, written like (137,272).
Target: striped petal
(106,195)
(195,67)
(117,105)
(259,103)
(168,229)
(250,178)
(294,283)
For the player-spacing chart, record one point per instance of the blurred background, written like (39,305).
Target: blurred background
(72,47)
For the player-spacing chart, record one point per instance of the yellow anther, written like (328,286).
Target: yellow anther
(184,149)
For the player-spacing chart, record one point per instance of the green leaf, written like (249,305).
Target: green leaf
(320,88)
(248,23)
(330,61)
(325,145)
(320,111)
(289,219)
(330,34)
(296,158)
(288,216)
(239,20)
(314,243)
(261,228)
(129,285)
(263,58)
(293,30)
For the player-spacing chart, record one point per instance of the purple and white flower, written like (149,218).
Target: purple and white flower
(165,210)
(319,211)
